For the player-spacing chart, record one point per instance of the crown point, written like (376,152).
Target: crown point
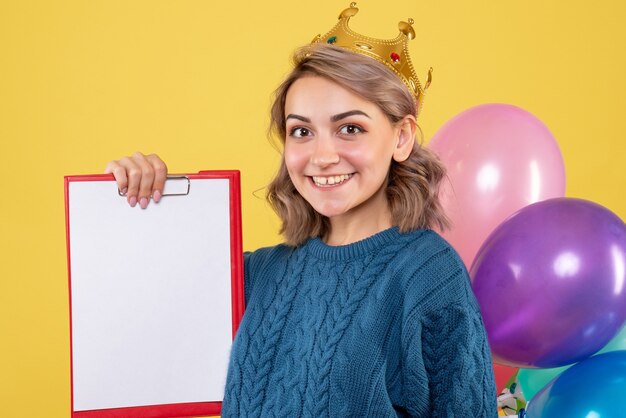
(411,21)
(349,12)
(430,78)
(407,29)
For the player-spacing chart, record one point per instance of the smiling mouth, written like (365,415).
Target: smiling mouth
(330,181)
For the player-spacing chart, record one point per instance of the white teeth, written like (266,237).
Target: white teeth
(331,180)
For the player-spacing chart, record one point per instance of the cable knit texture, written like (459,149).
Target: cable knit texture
(384,327)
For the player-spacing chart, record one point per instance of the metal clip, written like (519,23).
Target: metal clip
(183,192)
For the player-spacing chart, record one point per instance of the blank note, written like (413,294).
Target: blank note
(150,296)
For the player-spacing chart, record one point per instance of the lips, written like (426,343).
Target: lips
(328,181)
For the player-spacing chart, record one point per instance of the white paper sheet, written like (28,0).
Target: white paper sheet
(150,296)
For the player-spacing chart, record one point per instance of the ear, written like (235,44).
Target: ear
(406,138)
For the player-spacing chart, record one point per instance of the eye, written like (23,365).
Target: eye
(351,129)
(299,132)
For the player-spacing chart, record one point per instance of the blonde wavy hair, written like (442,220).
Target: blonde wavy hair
(412,185)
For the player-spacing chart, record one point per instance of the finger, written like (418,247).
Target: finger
(119,173)
(146,181)
(160,175)
(134,174)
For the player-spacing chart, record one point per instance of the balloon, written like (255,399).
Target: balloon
(499,158)
(503,374)
(617,343)
(550,281)
(533,380)
(593,388)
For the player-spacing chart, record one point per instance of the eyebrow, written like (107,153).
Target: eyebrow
(302,118)
(333,118)
(348,113)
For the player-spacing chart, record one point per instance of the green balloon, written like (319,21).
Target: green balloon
(532,381)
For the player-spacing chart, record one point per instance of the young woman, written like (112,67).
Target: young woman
(364,311)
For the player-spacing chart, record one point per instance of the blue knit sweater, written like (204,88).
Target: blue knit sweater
(384,327)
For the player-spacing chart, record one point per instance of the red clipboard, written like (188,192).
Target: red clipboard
(144,346)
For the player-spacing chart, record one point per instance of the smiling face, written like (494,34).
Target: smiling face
(338,150)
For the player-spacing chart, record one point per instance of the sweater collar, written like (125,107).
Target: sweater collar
(358,249)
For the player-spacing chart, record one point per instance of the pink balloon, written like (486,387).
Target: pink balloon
(500,158)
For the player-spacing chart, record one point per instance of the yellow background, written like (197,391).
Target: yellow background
(84,82)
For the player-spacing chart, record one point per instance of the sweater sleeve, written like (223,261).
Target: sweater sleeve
(448,370)
(255,262)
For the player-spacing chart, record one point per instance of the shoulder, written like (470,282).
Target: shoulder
(263,262)
(259,260)
(428,242)
(432,271)
(426,254)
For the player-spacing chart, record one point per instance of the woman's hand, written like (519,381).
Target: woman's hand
(139,177)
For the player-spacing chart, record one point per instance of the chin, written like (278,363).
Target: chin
(330,211)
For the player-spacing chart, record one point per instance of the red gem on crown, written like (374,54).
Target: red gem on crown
(395,57)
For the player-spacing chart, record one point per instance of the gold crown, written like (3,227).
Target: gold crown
(394,53)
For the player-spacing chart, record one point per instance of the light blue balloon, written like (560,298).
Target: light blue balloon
(593,388)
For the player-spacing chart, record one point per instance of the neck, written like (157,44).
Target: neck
(361,222)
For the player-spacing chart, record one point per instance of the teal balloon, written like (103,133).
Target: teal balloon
(595,387)
(532,381)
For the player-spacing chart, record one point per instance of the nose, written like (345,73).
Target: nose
(325,152)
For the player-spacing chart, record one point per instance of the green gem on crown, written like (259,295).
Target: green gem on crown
(332,40)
